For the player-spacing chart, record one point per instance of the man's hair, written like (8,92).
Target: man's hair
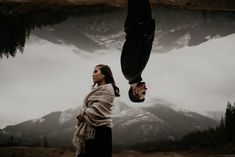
(134,98)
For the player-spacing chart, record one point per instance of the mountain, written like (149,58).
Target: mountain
(105,29)
(55,127)
(86,31)
(216,115)
(160,120)
(131,126)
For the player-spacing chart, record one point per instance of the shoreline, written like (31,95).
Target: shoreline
(69,152)
(18,7)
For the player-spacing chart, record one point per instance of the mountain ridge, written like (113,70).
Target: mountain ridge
(90,33)
(141,124)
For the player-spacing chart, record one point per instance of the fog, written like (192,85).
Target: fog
(50,77)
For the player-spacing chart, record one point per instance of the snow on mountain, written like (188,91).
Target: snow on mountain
(40,120)
(155,122)
(120,109)
(67,115)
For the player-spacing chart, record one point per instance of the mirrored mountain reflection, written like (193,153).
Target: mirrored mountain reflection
(180,28)
(15,29)
(99,27)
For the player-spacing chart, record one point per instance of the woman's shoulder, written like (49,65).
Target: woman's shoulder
(103,92)
(107,87)
(104,89)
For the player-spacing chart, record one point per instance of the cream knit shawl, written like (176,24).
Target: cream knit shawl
(96,111)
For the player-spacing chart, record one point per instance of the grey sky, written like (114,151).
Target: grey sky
(50,77)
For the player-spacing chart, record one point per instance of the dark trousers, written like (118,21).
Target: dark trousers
(101,145)
(139,18)
(139,28)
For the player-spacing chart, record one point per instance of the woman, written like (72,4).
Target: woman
(94,134)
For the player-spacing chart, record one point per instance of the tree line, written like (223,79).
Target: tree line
(220,139)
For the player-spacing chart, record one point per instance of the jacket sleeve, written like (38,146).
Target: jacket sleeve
(136,52)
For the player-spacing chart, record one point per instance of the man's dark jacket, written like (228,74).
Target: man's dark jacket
(137,48)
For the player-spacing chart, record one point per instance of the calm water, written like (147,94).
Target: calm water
(175,28)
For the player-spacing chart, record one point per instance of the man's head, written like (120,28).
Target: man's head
(137,92)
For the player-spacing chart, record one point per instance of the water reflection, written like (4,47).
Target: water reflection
(93,28)
(15,29)
(179,28)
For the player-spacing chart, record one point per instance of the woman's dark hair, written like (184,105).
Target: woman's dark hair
(108,76)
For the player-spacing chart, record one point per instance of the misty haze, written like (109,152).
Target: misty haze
(47,59)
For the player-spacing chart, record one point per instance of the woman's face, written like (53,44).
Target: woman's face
(97,75)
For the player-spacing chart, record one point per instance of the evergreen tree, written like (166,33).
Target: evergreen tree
(229,122)
(233,123)
(11,140)
(45,141)
(221,132)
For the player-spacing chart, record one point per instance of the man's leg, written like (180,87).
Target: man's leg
(139,28)
(138,17)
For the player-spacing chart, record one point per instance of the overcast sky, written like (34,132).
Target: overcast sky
(50,77)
